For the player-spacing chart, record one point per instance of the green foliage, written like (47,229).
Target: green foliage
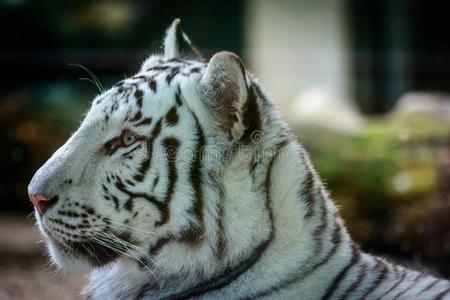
(384,177)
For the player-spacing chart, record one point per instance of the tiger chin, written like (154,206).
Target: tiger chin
(183,182)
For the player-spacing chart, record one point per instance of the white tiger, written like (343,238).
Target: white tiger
(183,182)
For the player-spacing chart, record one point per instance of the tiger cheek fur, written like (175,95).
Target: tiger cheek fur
(183,182)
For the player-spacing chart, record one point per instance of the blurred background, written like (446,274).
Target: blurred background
(365,85)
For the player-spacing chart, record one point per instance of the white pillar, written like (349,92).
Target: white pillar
(296,45)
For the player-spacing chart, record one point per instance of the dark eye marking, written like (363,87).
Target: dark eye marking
(146,162)
(131,150)
(126,139)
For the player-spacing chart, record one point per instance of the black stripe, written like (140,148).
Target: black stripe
(179,39)
(419,275)
(442,294)
(139,96)
(116,202)
(158,68)
(161,206)
(131,150)
(152,85)
(156,129)
(232,273)
(171,146)
(172,117)
(172,74)
(318,248)
(307,189)
(194,70)
(429,286)
(197,207)
(381,276)
(221,244)
(129,182)
(362,274)
(146,163)
(318,232)
(144,122)
(227,276)
(195,173)
(139,77)
(217,184)
(336,240)
(337,280)
(154,249)
(155,182)
(137,116)
(400,280)
(178,96)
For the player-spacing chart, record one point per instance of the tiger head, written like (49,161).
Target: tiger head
(129,179)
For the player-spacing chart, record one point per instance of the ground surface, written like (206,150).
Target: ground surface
(24,270)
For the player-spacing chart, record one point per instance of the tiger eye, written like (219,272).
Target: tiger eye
(128,138)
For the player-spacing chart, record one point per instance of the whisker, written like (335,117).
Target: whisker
(95,79)
(30,215)
(91,81)
(108,243)
(133,228)
(140,250)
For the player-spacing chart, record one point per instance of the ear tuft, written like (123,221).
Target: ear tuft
(224,90)
(176,42)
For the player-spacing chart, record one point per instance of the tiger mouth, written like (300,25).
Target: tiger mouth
(97,253)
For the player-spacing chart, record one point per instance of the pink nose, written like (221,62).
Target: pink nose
(41,202)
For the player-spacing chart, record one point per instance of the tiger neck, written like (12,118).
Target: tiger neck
(256,202)
(260,202)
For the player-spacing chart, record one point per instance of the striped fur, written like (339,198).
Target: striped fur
(183,182)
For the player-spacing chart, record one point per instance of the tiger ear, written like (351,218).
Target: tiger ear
(177,42)
(224,91)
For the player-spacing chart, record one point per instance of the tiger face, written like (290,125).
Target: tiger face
(129,177)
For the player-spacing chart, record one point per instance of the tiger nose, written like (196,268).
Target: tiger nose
(41,202)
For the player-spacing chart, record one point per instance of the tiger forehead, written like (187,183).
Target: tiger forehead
(129,93)
(148,79)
